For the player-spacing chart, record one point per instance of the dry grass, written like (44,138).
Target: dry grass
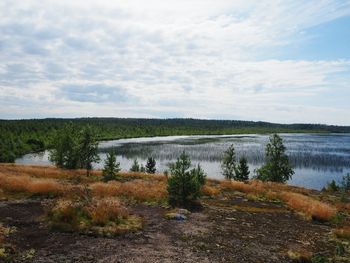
(309,206)
(342,233)
(210,191)
(144,176)
(50,172)
(78,175)
(143,187)
(30,185)
(104,217)
(105,210)
(294,197)
(258,187)
(139,190)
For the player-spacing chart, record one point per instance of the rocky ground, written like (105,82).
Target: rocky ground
(234,230)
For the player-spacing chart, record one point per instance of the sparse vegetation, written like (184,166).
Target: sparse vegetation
(331,187)
(300,202)
(93,207)
(342,233)
(106,217)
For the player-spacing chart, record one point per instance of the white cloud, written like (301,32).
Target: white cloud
(165,58)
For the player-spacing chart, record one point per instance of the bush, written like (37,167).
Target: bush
(135,167)
(184,185)
(331,187)
(106,216)
(277,167)
(111,167)
(345,183)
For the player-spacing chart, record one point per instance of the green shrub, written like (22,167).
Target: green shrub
(135,167)
(184,185)
(111,167)
(345,183)
(331,187)
(319,259)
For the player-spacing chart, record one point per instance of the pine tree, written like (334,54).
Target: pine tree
(151,165)
(277,167)
(73,148)
(228,163)
(111,167)
(183,184)
(242,170)
(200,175)
(64,152)
(88,146)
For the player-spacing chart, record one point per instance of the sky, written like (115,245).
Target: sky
(285,61)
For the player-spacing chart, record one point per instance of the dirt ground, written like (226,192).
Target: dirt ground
(235,230)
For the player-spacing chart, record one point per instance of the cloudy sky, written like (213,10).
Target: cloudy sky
(274,60)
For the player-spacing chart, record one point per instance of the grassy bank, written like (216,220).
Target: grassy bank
(76,203)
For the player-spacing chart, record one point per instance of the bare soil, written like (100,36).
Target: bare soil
(235,230)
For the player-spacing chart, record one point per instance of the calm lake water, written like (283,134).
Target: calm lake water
(317,158)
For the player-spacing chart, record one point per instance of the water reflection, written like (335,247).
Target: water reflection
(316,158)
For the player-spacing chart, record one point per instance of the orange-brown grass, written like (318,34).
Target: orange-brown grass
(258,187)
(253,187)
(296,200)
(46,172)
(105,210)
(308,205)
(210,191)
(106,216)
(145,176)
(342,233)
(30,185)
(77,174)
(345,207)
(139,190)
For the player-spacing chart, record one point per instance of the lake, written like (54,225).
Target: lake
(317,158)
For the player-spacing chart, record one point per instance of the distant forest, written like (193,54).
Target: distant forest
(18,137)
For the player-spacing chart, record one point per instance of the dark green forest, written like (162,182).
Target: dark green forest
(18,137)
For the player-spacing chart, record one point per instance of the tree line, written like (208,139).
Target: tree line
(18,137)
